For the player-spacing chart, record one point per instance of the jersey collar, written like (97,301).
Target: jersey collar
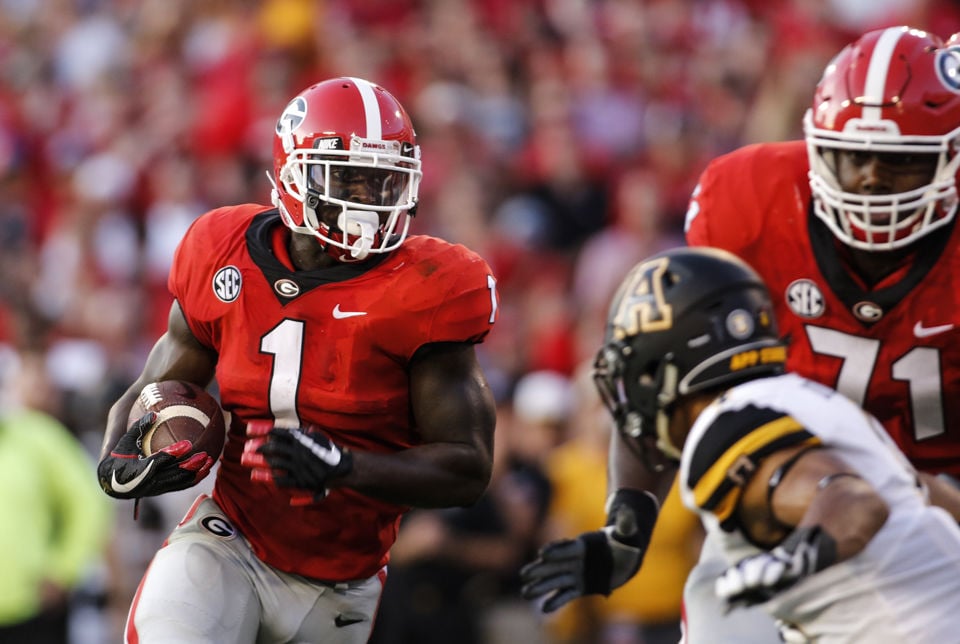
(850,290)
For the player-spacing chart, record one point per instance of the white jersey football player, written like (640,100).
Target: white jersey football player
(901,587)
(818,518)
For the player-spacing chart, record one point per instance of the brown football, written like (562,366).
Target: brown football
(184,412)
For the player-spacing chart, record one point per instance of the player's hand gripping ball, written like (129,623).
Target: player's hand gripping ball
(184,412)
(177,431)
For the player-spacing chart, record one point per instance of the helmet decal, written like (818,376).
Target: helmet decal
(874,91)
(948,68)
(776,355)
(293,115)
(371,108)
(328,143)
(643,307)
(740,324)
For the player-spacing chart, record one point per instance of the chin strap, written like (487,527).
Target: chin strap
(278,204)
(666,398)
(275,194)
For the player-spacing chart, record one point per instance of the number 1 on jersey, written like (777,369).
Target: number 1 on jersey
(285,343)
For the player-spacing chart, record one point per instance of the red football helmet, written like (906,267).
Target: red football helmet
(894,90)
(346,167)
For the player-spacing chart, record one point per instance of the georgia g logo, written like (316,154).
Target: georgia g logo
(948,68)
(218,526)
(293,115)
(227,283)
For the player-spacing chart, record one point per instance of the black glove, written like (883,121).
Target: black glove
(127,474)
(295,458)
(756,579)
(595,562)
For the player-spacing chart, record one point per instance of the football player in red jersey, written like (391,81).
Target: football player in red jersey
(344,352)
(853,231)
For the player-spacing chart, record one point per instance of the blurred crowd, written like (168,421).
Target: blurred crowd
(561,140)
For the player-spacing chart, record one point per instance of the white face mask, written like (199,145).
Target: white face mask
(881,222)
(373,184)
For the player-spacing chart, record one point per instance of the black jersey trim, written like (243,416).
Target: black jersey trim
(823,242)
(260,247)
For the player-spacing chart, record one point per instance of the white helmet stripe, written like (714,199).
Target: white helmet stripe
(877,72)
(371,108)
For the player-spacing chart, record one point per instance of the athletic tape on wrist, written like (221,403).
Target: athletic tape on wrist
(597,564)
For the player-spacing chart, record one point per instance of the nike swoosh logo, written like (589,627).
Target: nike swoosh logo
(926,331)
(339,315)
(329,455)
(131,485)
(342,620)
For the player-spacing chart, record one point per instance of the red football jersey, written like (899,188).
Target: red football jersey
(328,348)
(894,349)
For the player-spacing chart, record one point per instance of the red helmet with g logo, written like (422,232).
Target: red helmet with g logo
(346,167)
(893,91)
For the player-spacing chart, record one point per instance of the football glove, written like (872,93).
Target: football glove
(595,562)
(756,579)
(127,474)
(297,458)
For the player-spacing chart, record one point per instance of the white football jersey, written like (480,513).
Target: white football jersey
(904,587)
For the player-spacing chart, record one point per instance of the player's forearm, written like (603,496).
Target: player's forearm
(850,511)
(626,470)
(176,356)
(117,419)
(430,476)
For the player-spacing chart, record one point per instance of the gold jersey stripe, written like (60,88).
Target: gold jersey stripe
(724,501)
(780,433)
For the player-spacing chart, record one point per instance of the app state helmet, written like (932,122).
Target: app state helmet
(683,321)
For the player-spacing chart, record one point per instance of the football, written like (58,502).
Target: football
(184,412)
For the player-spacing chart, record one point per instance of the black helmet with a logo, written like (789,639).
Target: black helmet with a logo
(683,321)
